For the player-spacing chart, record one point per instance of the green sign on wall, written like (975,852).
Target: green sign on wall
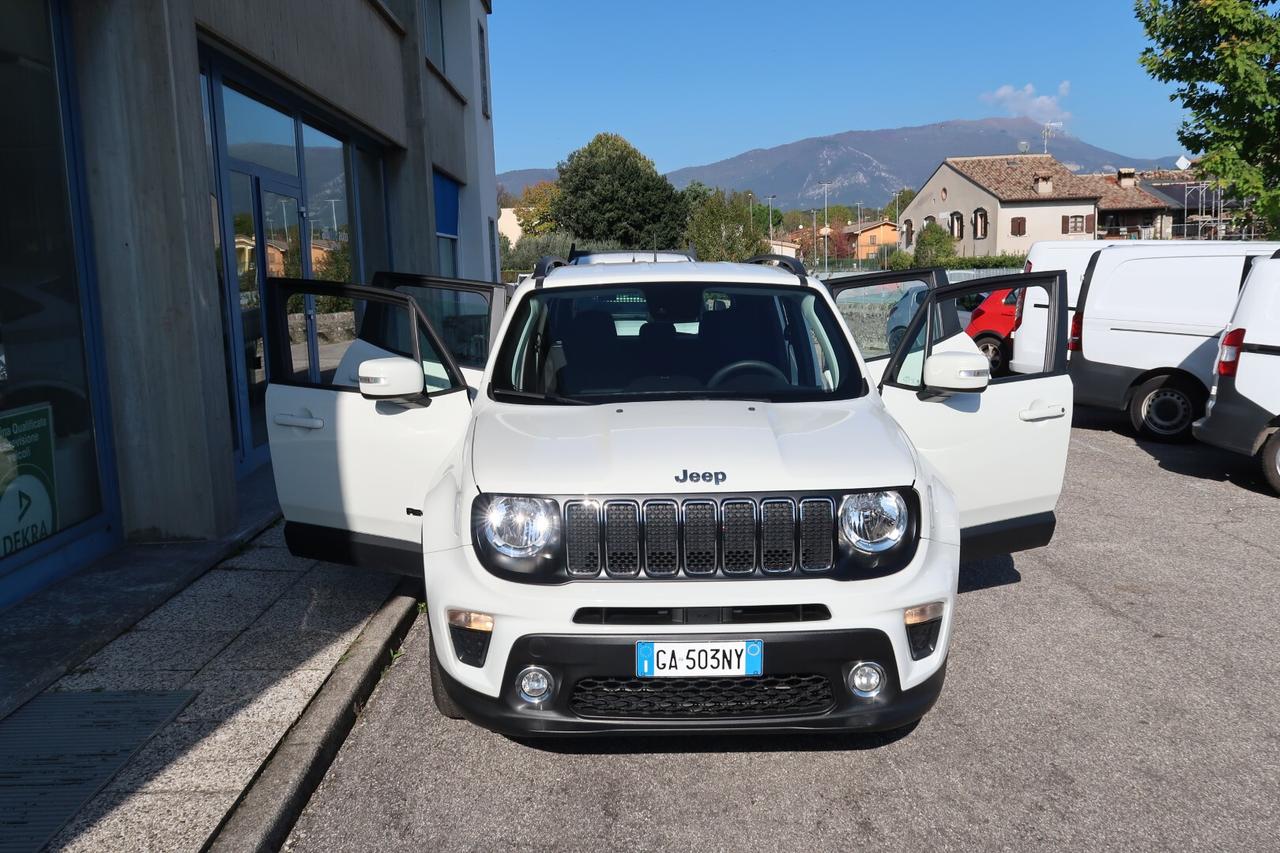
(28,488)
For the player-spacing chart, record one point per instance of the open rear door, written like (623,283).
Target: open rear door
(352,466)
(1003,451)
(877,308)
(466,314)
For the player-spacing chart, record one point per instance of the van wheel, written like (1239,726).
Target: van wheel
(1270,457)
(1164,408)
(993,348)
(444,704)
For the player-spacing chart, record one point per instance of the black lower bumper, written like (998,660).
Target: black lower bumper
(573,659)
(1235,422)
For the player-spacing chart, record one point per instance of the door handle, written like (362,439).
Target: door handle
(299,421)
(1042,413)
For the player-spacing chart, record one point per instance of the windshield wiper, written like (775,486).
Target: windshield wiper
(535,397)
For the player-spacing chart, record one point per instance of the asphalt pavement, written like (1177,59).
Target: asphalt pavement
(1115,690)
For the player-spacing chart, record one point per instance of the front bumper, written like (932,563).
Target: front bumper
(866,622)
(571,659)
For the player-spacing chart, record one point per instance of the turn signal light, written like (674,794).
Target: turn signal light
(923,613)
(1229,352)
(471,620)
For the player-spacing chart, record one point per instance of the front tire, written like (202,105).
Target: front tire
(444,703)
(1270,457)
(1164,407)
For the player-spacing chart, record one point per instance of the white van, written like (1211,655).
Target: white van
(1073,257)
(1243,414)
(1144,335)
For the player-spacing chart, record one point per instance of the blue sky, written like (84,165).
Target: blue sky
(696,81)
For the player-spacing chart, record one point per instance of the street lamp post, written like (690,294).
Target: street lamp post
(826,229)
(771,198)
(815,236)
(750,216)
(857,239)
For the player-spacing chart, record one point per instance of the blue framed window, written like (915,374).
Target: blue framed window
(59,505)
(447,194)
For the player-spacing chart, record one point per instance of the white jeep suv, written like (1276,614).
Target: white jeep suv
(680,496)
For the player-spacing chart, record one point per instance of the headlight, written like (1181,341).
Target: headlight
(873,522)
(520,527)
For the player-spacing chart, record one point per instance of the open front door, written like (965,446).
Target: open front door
(1003,451)
(467,314)
(878,307)
(360,423)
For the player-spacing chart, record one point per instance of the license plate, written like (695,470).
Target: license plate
(687,660)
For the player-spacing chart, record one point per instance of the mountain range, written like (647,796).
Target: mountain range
(868,166)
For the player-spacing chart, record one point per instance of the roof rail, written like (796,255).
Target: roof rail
(790,264)
(544,266)
(575,252)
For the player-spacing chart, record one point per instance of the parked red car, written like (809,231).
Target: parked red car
(990,325)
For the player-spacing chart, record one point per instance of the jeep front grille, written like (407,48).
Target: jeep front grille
(699,537)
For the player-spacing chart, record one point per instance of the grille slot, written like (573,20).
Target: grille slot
(661,538)
(767,696)
(621,539)
(582,538)
(738,524)
(699,538)
(777,536)
(817,534)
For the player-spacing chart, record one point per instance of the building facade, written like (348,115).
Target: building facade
(869,239)
(1003,203)
(164,158)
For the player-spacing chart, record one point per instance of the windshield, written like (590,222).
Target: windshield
(674,340)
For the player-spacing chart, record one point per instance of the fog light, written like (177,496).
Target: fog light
(535,684)
(866,680)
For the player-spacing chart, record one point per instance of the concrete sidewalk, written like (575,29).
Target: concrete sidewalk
(254,638)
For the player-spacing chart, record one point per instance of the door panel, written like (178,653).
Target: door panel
(350,471)
(1003,451)
(467,314)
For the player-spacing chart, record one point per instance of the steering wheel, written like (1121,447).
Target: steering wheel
(746,364)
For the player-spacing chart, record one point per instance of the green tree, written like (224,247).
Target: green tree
(897,203)
(524,255)
(534,212)
(610,191)
(934,246)
(1224,56)
(900,260)
(718,225)
(760,218)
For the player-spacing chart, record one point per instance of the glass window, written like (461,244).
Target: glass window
(327,205)
(460,317)
(375,241)
(259,134)
(878,314)
(48,449)
(247,304)
(216,219)
(691,341)
(447,193)
(434,26)
(484,72)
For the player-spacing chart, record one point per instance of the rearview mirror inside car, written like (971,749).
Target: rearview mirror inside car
(391,379)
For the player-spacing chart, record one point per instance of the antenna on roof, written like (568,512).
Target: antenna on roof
(1047,132)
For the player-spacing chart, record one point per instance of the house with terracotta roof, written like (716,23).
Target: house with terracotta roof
(867,239)
(1001,204)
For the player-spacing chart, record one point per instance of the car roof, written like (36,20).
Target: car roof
(628,256)
(669,271)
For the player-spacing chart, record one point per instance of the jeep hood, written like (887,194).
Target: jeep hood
(645,448)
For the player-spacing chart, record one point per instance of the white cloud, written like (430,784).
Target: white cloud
(1025,102)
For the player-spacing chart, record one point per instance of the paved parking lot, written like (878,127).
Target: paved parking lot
(1115,690)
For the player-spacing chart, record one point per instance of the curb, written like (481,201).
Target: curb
(270,806)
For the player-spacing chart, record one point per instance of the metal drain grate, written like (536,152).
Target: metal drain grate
(61,748)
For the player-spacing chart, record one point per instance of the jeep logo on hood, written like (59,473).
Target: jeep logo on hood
(687,476)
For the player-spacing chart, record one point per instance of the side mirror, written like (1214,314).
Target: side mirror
(947,373)
(391,379)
